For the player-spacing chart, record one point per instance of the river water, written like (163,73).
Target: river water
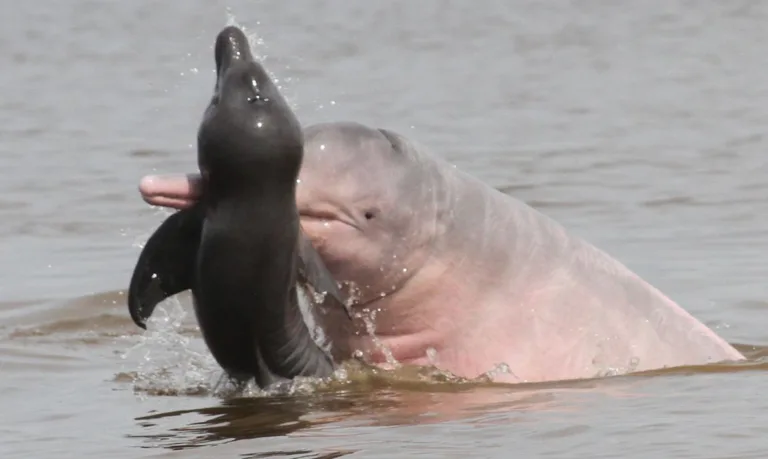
(640,125)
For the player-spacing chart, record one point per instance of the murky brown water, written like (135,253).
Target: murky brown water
(640,125)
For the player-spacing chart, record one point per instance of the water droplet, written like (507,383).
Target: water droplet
(322,147)
(298,180)
(259,124)
(333,102)
(194,70)
(405,270)
(154,276)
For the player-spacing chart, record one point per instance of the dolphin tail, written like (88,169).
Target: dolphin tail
(166,265)
(313,271)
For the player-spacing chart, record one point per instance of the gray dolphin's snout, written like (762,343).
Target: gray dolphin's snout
(231,46)
(239,77)
(248,130)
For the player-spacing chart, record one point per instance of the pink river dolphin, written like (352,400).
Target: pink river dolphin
(449,272)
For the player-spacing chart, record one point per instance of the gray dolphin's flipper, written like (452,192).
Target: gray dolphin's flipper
(166,265)
(312,270)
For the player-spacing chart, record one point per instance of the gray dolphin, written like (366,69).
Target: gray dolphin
(241,249)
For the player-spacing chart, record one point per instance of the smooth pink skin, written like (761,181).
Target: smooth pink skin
(176,192)
(451,267)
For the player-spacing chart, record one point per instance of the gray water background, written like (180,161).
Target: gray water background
(640,125)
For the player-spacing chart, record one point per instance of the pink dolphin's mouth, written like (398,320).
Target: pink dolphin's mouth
(324,217)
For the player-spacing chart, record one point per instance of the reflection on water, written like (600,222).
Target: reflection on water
(392,398)
(379,404)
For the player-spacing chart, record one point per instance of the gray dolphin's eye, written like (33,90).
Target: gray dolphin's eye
(369,214)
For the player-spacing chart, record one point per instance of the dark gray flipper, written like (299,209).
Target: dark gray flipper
(312,271)
(166,265)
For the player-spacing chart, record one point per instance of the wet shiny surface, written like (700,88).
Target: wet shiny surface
(640,126)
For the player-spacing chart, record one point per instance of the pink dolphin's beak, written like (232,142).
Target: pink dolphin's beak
(175,191)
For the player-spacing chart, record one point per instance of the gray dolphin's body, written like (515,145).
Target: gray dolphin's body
(241,249)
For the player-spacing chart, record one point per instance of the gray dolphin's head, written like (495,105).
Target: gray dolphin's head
(248,129)
(370,202)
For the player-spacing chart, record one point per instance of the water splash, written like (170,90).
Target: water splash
(171,359)
(354,293)
(499,369)
(168,363)
(369,320)
(631,367)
